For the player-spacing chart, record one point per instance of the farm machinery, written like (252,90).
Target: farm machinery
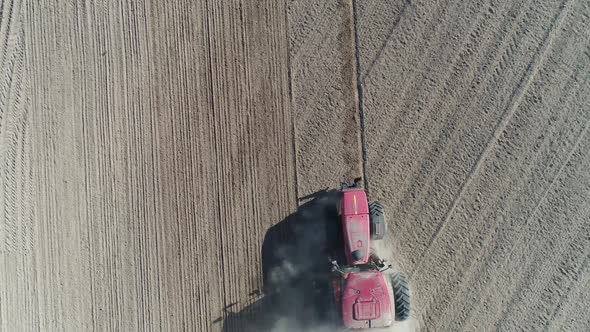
(367,292)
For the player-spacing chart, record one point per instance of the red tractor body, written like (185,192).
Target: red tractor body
(363,294)
(356,226)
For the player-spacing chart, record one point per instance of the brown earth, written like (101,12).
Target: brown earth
(152,153)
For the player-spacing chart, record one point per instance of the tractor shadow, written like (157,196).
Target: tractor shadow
(296,263)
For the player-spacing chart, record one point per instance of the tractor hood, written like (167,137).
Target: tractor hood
(356,227)
(366,301)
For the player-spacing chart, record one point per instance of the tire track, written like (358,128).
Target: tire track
(491,215)
(407,5)
(324,94)
(573,278)
(475,286)
(17,231)
(574,312)
(457,86)
(515,100)
(506,313)
(290,90)
(474,78)
(15,222)
(530,286)
(359,94)
(480,47)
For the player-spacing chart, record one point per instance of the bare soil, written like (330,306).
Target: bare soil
(168,165)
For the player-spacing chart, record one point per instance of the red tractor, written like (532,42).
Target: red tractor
(365,294)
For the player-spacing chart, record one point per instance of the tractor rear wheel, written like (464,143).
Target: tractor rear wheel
(401,295)
(378,225)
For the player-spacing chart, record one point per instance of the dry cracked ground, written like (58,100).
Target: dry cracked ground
(149,150)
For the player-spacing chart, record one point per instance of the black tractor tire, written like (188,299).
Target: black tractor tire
(401,296)
(378,225)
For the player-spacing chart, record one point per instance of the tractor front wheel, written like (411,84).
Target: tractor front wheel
(378,225)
